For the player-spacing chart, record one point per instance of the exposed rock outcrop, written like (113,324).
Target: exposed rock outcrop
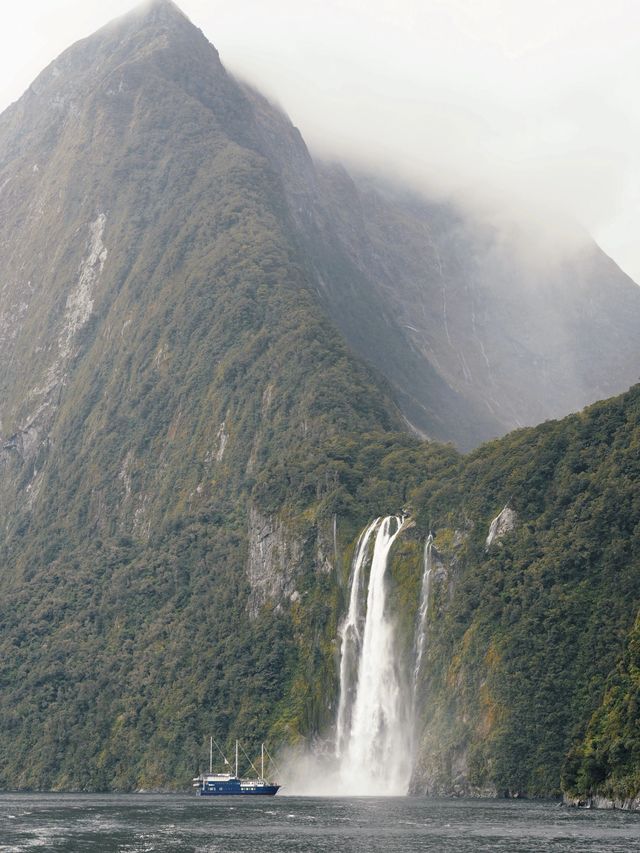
(502,524)
(630,804)
(447,775)
(275,557)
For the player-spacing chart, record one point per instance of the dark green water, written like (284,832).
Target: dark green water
(181,824)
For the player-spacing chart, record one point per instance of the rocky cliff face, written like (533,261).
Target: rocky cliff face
(500,526)
(275,557)
(627,804)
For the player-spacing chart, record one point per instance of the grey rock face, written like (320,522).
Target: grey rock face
(449,779)
(631,804)
(502,524)
(274,560)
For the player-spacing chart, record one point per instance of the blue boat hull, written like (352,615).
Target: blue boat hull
(226,789)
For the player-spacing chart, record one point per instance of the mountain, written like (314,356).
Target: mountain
(519,565)
(472,340)
(160,341)
(209,387)
(478,328)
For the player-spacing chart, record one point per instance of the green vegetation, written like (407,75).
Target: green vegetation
(522,646)
(606,761)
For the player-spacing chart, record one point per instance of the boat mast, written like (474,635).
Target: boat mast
(236,759)
(262,763)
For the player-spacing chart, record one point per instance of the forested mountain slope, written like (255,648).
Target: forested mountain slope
(604,768)
(527,629)
(192,440)
(159,343)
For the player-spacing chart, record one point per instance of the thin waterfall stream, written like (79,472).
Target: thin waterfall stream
(423,612)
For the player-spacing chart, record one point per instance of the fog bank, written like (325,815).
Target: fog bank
(521,105)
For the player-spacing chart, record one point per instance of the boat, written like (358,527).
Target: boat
(227,784)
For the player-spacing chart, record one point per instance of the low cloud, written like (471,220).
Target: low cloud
(518,107)
(526,106)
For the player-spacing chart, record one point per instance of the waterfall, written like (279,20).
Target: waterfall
(350,641)
(374,741)
(373,738)
(423,622)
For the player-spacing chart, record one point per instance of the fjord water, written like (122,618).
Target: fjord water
(183,824)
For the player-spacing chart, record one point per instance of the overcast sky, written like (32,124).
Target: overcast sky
(535,100)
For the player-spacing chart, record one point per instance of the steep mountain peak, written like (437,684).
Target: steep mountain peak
(154,38)
(148,27)
(153,25)
(161,11)
(148,20)
(167,6)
